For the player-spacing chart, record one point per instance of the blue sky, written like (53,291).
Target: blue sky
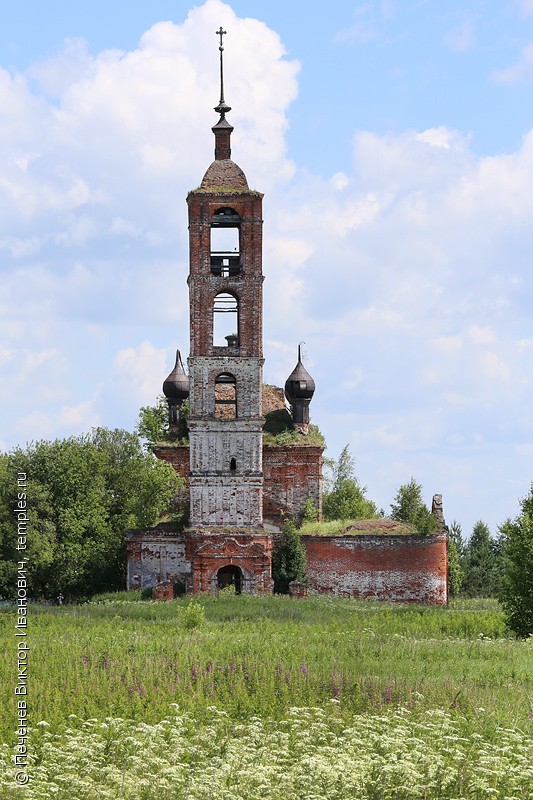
(394,145)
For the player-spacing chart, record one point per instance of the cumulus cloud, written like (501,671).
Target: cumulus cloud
(414,306)
(408,273)
(99,151)
(141,370)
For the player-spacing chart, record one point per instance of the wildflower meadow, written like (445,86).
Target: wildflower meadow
(273,698)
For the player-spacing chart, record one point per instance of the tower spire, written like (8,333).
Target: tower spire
(222,107)
(222,129)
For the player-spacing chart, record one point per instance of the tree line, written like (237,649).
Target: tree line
(81,495)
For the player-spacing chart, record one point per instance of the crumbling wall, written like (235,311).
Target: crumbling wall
(153,555)
(407,568)
(292,475)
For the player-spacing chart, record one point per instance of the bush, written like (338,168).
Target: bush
(193,615)
(309,512)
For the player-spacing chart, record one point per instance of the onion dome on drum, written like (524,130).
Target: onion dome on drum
(176,390)
(299,390)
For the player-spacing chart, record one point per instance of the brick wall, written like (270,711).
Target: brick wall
(246,287)
(178,456)
(291,474)
(401,568)
(408,568)
(155,553)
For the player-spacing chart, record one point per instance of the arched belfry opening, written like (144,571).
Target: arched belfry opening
(225,243)
(225,396)
(230,575)
(225,320)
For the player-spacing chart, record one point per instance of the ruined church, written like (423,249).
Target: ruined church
(242,479)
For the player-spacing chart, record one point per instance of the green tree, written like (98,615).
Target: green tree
(516,588)
(455,532)
(455,552)
(289,559)
(83,493)
(481,564)
(346,498)
(153,426)
(409,507)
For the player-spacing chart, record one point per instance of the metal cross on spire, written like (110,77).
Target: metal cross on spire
(221,33)
(222,108)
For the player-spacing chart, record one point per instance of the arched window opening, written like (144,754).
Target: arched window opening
(225,321)
(233,465)
(225,243)
(226,399)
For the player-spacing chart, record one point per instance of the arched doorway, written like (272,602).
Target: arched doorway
(229,575)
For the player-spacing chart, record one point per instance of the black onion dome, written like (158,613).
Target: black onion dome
(176,386)
(299,385)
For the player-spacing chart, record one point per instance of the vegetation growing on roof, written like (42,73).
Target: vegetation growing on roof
(293,437)
(357,527)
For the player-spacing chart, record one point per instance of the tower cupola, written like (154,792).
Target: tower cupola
(299,391)
(176,390)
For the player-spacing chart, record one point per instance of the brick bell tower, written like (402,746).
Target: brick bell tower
(227,543)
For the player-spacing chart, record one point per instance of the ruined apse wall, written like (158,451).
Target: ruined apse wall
(292,474)
(402,568)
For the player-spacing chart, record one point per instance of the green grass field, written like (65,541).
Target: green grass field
(371,697)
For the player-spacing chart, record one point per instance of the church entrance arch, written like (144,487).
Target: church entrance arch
(230,575)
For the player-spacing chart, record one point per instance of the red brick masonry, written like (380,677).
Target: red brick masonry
(292,474)
(403,568)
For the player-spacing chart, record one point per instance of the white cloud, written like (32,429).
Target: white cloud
(408,273)
(339,181)
(122,122)
(481,335)
(516,73)
(68,421)
(442,137)
(56,74)
(141,371)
